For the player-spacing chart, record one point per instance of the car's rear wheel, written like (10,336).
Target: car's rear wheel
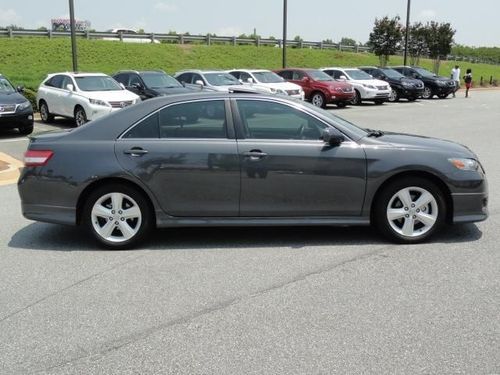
(409,210)
(45,114)
(393,96)
(117,216)
(26,130)
(341,104)
(80,116)
(379,101)
(427,94)
(318,99)
(357,98)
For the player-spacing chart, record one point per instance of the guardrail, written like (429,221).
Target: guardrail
(182,39)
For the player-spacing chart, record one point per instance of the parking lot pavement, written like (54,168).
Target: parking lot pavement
(262,300)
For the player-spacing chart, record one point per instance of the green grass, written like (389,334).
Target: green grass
(26,61)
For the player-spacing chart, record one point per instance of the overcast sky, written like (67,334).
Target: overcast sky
(477,22)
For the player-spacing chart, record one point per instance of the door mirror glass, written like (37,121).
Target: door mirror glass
(70,87)
(332,136)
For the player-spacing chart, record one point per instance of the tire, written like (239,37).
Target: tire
(443,96)
(357,98)
(45,114)
(26,130)
(379,102)
(318,99)
(341,104)
(411,99)
(398,220)
(109,225)
(80,116)
(394,96)
(427,94)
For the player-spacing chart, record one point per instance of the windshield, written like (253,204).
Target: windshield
(5,86)
(424,73)
(357,74)
(391,73)
(97,83)
(356,130)
(267,77)
(221,79)
(318,75)
(157,80)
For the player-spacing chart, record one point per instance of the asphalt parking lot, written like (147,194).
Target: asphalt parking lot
(261,300)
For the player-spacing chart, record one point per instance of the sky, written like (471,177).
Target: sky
(477,23)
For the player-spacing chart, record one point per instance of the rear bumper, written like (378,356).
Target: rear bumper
(49,214)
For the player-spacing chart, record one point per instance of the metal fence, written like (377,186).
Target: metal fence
(182,39)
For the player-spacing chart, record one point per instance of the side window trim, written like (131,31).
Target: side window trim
(230,127)
(239,127)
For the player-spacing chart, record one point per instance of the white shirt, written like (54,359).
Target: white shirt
(455,74)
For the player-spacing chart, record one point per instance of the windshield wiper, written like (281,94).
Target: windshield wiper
(374,133)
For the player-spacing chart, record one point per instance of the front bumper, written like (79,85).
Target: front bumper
(16,120)
(408,92)
(341,96)
(375,94)
(470,201)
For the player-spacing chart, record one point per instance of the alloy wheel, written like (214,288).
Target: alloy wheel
(116,217)
(317,100)
(427,94)
(80,117)
(412,211)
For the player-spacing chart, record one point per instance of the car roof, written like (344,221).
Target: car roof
(200,71)
(79,74)
(140,71)
(340,68)
(249,70)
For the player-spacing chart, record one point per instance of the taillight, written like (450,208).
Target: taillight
(37,158)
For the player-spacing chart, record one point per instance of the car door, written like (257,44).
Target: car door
(68,99)
(186,154)
(287,170)
(53,94)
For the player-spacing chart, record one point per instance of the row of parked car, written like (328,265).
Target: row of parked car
(87,96)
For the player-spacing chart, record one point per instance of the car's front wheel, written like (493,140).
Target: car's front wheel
(318,99)
(357,98)
(427,94)
(80,116)
(409,210)
(45,114)
(393,96)
(117,216)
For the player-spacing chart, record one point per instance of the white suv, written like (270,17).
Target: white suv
(81,96)
(365,86)
(268,81)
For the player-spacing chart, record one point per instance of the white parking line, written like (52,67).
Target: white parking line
(13,140)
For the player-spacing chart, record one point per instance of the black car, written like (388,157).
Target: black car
(402,87)
(16,111)
(433,84)
(149,84)
(245,160)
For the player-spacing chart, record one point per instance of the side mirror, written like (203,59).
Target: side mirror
(250,80)
(199,82)
(332,136)
(138,86)
(70,87)
(305,79)
(20,89)
(343,78)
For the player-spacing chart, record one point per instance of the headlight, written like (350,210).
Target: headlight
(99,102)
(442,83)
(464,164)
(406,84)
(23,105)
(369,86)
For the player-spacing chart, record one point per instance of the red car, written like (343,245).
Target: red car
(319,88)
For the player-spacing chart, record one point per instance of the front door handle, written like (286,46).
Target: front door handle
(135,151)
(254,154)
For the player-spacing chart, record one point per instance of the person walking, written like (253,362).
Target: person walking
(468,81)
(455,75)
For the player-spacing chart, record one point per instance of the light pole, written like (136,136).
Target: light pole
(73,36)
(284,31)
(405,55)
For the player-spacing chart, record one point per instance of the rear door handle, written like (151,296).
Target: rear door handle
(135,151)
(254,154)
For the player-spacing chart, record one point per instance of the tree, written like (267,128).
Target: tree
(328,41)
(348,41)
(386,37)
(417,42)
(439,39)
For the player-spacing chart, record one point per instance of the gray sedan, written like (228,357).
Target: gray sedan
(232,159)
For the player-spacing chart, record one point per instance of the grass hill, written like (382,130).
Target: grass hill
(26,61)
